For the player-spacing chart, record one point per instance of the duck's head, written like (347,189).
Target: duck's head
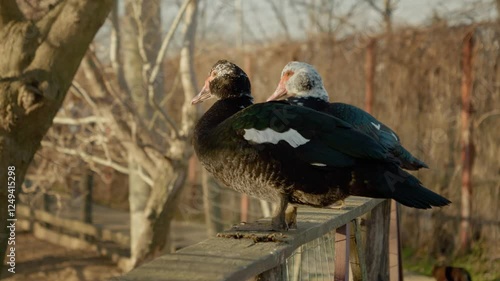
(301,80)
(225,80)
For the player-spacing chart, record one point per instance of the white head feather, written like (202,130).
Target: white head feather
(304,81)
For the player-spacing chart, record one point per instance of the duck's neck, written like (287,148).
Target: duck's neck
(311,102)
(220,111)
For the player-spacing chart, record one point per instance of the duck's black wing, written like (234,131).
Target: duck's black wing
(323,142)
(369,125)
(311,136)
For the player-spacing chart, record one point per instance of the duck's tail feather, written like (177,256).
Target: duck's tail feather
(408,161)
(390,181)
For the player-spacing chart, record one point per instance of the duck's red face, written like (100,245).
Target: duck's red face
(281,92)
(205,93)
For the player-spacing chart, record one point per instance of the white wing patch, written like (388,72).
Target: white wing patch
(292,137)
(376,125)
(318,164)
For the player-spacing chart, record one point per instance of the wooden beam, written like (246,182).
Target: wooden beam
(377,255)
(395,258)
(242,259)
(73,226)
(357,257)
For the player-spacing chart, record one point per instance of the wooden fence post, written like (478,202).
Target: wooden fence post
(342,253)
(377,245)
(357,257)
(466,141)
(87,185)
(395,258)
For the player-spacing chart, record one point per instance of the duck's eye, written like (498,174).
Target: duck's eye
(214,73)
(288,73)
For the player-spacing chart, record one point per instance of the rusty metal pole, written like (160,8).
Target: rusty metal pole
(466,141)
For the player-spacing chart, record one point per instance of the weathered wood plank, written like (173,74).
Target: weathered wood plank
(242,259)
(377,245)
(357,257)
(395,263)
(114,252)
(73,226)
(341,254)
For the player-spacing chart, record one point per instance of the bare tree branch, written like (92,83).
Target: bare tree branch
(9,11)
(95,74)
(79,121)
(122,130)
(375,7)
(482,118)
(186,69)
(280,17)
(90,158)
(114,48)
(137,11)
(45,23)
(76,88)
(87,157)
(156,67)
(62,51)
(166,97)
(166,41)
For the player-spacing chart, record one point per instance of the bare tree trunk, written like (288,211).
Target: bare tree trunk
(141,39)
(386,12)
(388,17)
(86,187)
(159,212)
(497,4)
(139,191)
(186,67)
(466,154)
(39,60)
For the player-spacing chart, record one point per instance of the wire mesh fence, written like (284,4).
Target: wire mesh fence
(314,261)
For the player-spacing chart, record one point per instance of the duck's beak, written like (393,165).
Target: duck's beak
(280,92)
(204,94)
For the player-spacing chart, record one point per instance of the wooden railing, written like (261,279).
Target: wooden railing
(74,234)
(316,250)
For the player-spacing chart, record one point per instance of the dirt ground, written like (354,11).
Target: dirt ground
(42,261)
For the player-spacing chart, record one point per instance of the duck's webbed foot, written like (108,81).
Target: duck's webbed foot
(283,218)
(339,205)
(291,217)
(282,215)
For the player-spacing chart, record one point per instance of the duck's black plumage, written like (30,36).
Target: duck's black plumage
(302,85)
(291,154)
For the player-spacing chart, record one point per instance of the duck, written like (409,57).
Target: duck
(301,84)
(293,155)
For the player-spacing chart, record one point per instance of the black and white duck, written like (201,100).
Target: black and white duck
(293,155)
(301,84)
